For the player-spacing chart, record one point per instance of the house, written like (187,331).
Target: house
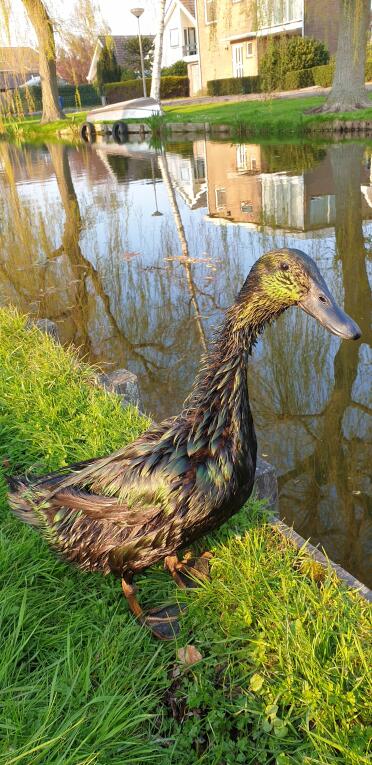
(232,33)
(17,65)
(180,39)
(118,43)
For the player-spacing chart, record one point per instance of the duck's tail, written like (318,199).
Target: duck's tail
(19,503)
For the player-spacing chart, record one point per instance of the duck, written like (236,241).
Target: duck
(189,474)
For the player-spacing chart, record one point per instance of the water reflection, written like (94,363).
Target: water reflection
(136,252)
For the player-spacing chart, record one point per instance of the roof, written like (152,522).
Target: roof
(190,6)
(187,5)
(119,42)
(19,59)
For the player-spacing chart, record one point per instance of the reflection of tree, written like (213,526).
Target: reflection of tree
(333,468)
(185,256)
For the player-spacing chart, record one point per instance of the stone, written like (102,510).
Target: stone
(220,128)
(198,127)
(177,127)
(124,384)
(135,127)
(266,484)
(47,326)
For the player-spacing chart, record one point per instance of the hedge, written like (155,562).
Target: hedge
(297,78)
(234,85)
(323,75)
(26,100)
(170,87)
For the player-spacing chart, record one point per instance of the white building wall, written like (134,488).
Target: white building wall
(173,38)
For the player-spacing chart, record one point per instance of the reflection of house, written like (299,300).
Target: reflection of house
(16,66)
(188,175)
(232,35)
(242,188)
(180,38)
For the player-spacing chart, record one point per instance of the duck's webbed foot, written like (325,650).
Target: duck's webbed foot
(163,621)
(189,572)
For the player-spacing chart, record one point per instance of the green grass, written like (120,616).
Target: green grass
(271,117)
(32,129)
(284,674)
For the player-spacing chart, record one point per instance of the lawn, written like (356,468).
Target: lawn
(269,117)
(285,650)
(32,129)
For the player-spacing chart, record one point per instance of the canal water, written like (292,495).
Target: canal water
(135,254)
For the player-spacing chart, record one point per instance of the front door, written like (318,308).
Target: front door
(237,60)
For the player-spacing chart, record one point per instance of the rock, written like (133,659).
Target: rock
(266,484)
(124,384)
(47,326)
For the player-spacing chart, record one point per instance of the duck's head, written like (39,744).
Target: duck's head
(288,277)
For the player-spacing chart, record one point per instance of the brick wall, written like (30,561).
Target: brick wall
(321,22)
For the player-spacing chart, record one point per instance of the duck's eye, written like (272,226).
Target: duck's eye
(284,266)
(322,299)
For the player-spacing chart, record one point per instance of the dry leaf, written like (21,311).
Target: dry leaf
(189,655)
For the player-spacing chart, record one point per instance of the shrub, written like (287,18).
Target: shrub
(368,71)
(170,87)
(178,69)
(299,78)
(305,52)
(233,85)
(108,69)
(289,54)
(323,75)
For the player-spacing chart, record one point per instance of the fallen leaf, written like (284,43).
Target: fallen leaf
(189,655)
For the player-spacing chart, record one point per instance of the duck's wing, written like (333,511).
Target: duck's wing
(85,528)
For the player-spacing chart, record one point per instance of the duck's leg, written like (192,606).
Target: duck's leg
(163,621)
(187,572)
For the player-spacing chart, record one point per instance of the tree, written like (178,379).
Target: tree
(348,91)
(74,62)
(43,26)
(133,55)
(108,69)
(158,53)
(78,38)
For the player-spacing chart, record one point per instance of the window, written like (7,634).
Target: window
(210,11)
(253,163)
(249,52)
(246,207)
(220,198)
(173,33)
(189,37)
(241,158)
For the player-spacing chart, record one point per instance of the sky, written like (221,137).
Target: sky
(115,12)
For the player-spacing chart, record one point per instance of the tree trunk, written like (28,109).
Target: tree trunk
(158,53)
(43,27)
(348,91)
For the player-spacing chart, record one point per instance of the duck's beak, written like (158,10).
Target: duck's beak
(320,304)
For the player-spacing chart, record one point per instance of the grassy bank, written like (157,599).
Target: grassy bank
(32,129)
(270,117)
(283,677)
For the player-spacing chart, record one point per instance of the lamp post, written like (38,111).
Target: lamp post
(137,12)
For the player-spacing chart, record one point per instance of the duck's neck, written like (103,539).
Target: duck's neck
(218,407)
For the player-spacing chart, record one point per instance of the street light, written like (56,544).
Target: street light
(137,12)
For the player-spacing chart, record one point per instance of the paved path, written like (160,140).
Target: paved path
(314,90)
